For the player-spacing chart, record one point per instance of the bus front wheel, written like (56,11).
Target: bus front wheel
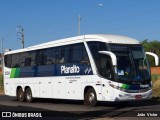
(28,94)
(20,95)
(90,97)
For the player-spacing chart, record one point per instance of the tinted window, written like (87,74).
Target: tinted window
(15,60)
(84,55)
(57,55)
(63,54)
(50,56)
(77,53)
(97,46)
(103,62)
(33,58)
(39,57)
(8,60)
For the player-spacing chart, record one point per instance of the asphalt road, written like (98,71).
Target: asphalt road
(76,110)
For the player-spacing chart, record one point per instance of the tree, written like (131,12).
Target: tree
(151,46)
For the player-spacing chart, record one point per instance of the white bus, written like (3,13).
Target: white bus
(89,67)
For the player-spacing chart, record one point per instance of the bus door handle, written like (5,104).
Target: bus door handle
(59,82)
(40,82)
(70,82)
(49,82)
(6,83)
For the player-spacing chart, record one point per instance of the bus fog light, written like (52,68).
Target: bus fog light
(120,95)
(125,95)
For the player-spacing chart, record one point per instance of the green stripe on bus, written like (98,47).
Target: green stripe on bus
(15,72)
(125,86)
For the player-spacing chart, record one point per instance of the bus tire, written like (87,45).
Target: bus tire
(20,95)
(28,96)
(90,98)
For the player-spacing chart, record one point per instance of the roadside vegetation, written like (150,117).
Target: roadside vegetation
(1,84)
(156,85)
(151,46)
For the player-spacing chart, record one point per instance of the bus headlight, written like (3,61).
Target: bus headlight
(118,88)
(131,91)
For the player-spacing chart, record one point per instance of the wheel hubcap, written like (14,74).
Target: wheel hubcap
(91,97)
(20,95)
(29,95)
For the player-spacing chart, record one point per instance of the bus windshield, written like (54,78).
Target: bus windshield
(132,64)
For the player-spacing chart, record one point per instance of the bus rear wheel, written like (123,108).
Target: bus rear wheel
(20,95)
(90,97)
(28,96)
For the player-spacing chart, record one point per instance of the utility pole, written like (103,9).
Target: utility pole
(79,25)
(80,19)
(2,54)
(21,31)
(2,46)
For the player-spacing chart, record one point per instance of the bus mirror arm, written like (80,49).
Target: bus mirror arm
(155,57)
(112,55)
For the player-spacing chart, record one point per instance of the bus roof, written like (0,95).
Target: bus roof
(93,37)
(112,38)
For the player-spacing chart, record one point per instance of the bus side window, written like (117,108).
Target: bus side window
(57,55)
(21,59)
(48,57)
(15,60)
(105,67)
(62,55)
(27,62)
(8,61)
(39,57)
(77,53)
(85,58)
(68,54)
(24,59)
(53,56)
(33,58)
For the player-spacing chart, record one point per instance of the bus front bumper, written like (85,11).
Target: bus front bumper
(124,96)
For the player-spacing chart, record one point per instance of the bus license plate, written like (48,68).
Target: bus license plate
(138,96)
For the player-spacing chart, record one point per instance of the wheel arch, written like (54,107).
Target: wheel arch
(26,87)
(18,87)
(86,89)
(90,96)
(20,94)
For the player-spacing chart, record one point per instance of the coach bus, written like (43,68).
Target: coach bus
(92,68)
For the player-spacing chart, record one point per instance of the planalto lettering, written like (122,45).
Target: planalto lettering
(67,70)
(144,86)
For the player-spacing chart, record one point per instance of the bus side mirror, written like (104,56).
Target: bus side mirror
(155,57)
(112,55)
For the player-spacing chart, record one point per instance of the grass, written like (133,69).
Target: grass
(1,84)
(156,85)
